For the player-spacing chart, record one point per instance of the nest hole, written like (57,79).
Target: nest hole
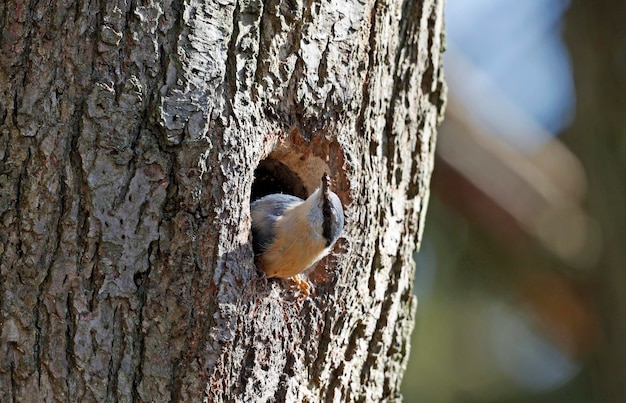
(273,176)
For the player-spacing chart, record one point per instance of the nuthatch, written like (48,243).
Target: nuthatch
(290,234)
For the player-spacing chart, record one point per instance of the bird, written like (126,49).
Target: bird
(289,234)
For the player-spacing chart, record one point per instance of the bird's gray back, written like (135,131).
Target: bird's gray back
(265,212)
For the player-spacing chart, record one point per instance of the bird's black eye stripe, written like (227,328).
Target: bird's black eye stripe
(328,215)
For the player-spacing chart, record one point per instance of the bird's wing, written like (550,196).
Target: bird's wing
(265,212)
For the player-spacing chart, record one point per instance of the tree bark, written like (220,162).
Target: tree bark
(131,134)
(595,33)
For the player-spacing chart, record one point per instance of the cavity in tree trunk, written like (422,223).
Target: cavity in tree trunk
(133,135)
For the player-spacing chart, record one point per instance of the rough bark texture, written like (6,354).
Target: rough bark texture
(130,132)
(596,34)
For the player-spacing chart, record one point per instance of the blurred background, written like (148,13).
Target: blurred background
(521,277)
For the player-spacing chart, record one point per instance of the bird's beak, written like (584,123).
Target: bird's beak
(325,186)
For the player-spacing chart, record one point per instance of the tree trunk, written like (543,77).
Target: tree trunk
(596,33)
(131,136)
